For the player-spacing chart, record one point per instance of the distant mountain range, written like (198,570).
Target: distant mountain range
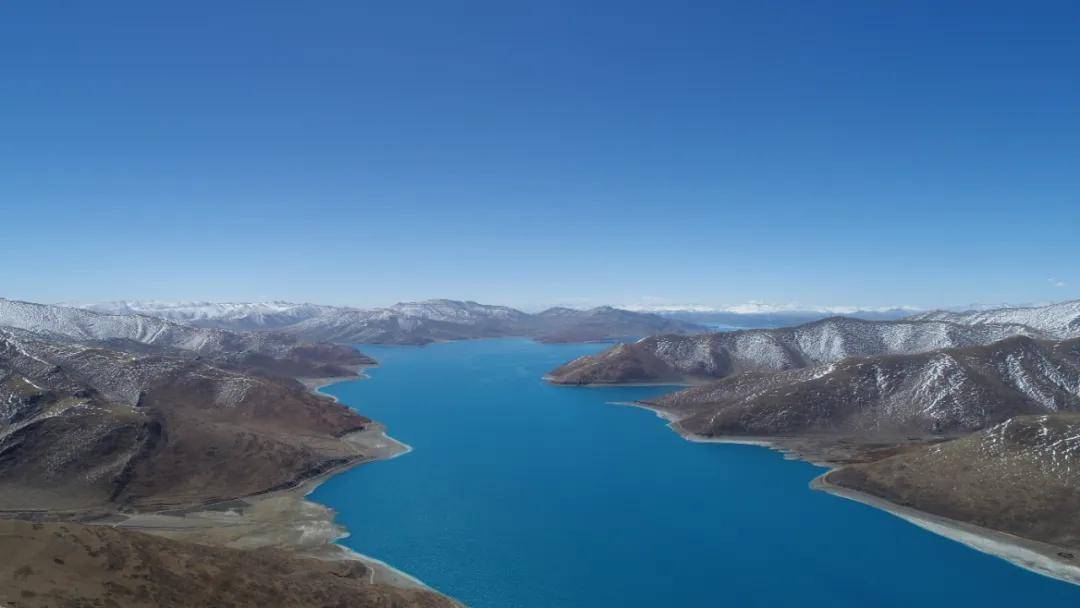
(410,322)
(757,315)
(764,316)
(272,352)
(1061,320)
(241,316)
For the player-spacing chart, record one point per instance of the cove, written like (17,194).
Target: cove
(522,494)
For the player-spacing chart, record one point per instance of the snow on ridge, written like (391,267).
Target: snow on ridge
(119,377)
(86,325)
(452,310)
(404,322)
(755,307)
(1060,320)
(942,392)
(826,341)
(186,311)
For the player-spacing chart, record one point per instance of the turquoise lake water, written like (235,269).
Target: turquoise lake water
(522,494)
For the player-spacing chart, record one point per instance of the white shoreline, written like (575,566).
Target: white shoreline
(771,443)
(684,383)
(380,570)
(1034,556)
(1030,555)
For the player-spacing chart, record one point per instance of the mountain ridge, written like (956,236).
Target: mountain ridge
(940,393)
(1060,319)
(271,352)
(703,357)
(414,323)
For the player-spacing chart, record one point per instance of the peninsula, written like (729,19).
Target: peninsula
(141,459)
(964,423)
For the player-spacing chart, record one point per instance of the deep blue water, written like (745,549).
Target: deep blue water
(521,494)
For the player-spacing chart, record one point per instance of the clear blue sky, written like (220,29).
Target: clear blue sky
(855,153)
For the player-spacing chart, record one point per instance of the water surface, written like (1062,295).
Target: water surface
(522,494)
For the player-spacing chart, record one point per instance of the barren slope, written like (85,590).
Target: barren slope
(941,393)
(717,355)
(54,565)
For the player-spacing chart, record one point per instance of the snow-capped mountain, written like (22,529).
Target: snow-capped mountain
(765,316)
(604,323)
(413,323)
(453,311)
(410,322)
(768,308)
(717,355)
(942,392)
(1061,320)
(245,316)
(84,426)
(267,350)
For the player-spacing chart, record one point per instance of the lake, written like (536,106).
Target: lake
(522,494)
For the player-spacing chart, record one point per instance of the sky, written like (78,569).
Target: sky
(538,153)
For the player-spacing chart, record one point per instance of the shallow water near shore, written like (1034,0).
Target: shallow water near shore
(519,494)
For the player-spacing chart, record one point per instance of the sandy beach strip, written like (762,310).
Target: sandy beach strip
(683,383)
(782,445)
(1031,555)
